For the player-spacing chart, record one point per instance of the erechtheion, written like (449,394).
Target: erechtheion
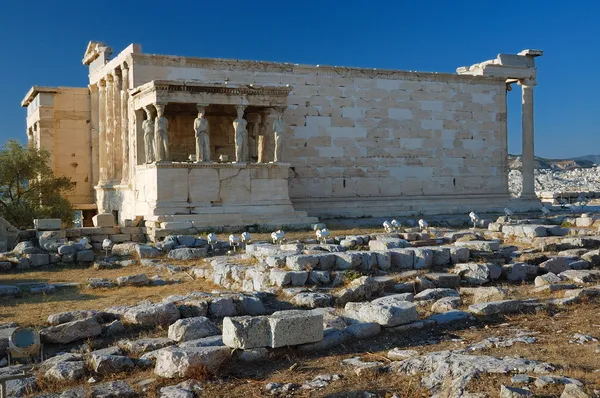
(200,142)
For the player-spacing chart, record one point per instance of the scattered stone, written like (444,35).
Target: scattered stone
(514,392)
(446,304)
(312,299)
(362,368)
(71,331)
(108,364)
(192,329)
(185,362)
(397,354)
(141,346)
(113,389)
(133,280)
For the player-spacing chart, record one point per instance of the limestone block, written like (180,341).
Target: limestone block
(188,361)
(37,260)
(423,258)
(246,332)
(348,260)
(120,238)
(47,224)
(280,278)
(386,243)
(402,258)
(103,220)
(319,277)
(480,245)
(555,265)
(459,255)
(192,329)
(71,331)
(327,261)
(388,313)
(295,327)
(301,262)
(519,272)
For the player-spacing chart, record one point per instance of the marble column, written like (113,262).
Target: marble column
(125,125)
(102,145)
(110,125)
(527,154)
(241,134)
(94,161)
(117,150)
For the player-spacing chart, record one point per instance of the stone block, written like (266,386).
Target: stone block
(480,245)
(348,260)
(103,220)
(327,261)
(555,265)
(423,258)
(189,361)
(47,224)
(71,331)
(295,327)
(192,329)
(402,258)
(301,262)
(386,243)
(120,238)
(388,313)
(222,307)
(37,260)
(85,256)
(246,332)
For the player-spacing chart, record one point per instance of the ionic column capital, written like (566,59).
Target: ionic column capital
(530,82)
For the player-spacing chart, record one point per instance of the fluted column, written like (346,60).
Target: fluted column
(125,125)
(110,125)
(528,153)
(102,144)
(117,148)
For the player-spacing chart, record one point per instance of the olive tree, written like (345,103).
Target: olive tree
(28,187)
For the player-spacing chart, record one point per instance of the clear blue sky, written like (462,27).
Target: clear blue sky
(43,42)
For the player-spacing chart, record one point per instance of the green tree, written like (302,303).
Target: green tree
(28,187)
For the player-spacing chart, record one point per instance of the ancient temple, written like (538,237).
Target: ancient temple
(201,142)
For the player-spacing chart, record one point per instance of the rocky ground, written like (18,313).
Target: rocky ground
(508,309)
(547,180)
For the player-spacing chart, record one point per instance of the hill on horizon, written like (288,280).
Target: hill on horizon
(584,162)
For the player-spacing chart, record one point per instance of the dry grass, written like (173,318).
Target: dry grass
(34,309)
(577,361)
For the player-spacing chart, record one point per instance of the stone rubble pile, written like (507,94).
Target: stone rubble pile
(310,297)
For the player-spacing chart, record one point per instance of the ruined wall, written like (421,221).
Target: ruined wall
(60,124)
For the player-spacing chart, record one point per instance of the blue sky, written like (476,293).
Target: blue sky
(43,42)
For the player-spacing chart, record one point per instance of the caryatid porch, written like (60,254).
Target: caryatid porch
(210,155)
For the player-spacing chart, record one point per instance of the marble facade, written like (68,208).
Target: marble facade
(299,140)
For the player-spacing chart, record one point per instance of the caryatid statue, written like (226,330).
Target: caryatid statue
(241,133)
(278,131)
(202,130)
(148,128)
(161,135)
